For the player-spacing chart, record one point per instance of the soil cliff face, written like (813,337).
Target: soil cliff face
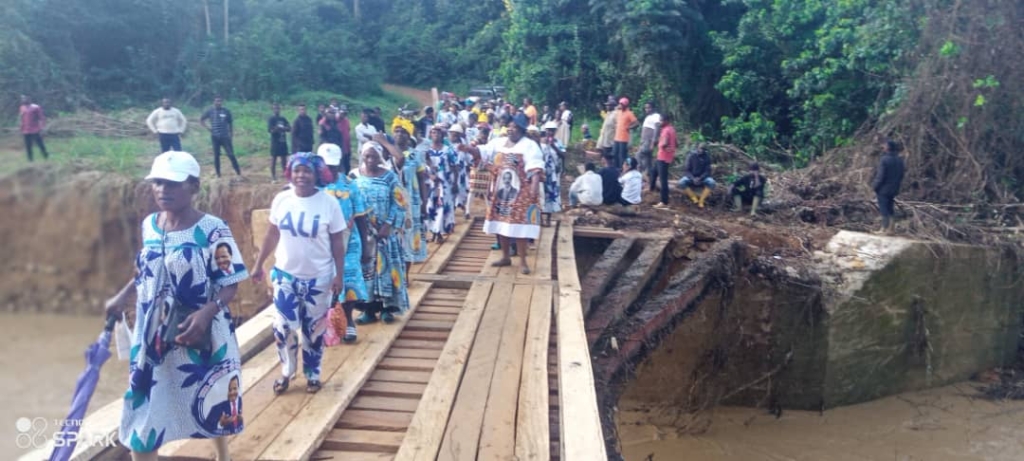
(70,237)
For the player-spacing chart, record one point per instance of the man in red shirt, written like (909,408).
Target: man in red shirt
(32,123)
(624,123)
(666,155)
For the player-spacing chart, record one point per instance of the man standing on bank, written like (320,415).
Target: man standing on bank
(887,182)
(278,128)
(169,124)
(32,124)
(302,132)
(222,130)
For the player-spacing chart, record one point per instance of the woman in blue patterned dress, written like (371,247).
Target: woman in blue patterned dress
(553,156)
(412,172)
(387,205)
(356,254)
(456,136)
(186,386)
(443,166)
(306,235)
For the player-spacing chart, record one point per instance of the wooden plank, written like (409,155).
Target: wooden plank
(442,303)
(447,249)
(545,250)
(583,438)
(497,441)
(398,352)
(436,317)
(430,325)
(422,377)
(382,404)
(374,420)
(427,429)
(328,455)
(386,389)
(360,440)
(406,364)
(597,232)
(301,438)
(416,344)
(446,295)
(533,435)
(426,335)
(443,310)
(462,434)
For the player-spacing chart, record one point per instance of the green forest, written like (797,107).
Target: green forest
(786,80)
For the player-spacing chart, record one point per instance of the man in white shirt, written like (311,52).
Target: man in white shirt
(587,189)
(364,130)
(649,137)
(168,123)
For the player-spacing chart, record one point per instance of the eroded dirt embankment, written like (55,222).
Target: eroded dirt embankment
(70,237)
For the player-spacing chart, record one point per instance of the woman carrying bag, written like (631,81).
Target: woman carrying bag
(184,363)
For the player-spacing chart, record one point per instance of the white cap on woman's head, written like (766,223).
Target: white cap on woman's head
(551,126)
(331,154)
(457,128)
(174,166)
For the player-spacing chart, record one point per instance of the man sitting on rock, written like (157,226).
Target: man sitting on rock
(749,189)
(611,190)
(698,174)
(586,189)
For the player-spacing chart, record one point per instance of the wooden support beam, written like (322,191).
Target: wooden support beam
(462,434)
(602,273)
(498,436)
(597,232)
(426,431)
(581,435)
(533,436)
(300,439)
(627,288)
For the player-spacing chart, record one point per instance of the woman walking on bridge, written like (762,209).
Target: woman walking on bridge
(387,204)
(308,268)
(517,168)
(185,364)
(444,172)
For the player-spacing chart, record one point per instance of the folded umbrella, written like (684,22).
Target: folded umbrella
(95,356)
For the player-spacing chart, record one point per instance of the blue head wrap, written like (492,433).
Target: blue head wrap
(313,162)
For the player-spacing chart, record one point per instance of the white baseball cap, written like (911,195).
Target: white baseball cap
(550,126)
(331,154)
(174,166)
(457,128)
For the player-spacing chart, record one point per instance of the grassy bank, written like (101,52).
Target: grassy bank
(132,154)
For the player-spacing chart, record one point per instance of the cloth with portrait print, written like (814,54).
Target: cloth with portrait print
(179,392)
(514,209)
(413,232)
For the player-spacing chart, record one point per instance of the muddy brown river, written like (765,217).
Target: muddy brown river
(41,359)
(943,424)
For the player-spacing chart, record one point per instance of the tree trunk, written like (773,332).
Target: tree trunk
(226,16)
(206,12)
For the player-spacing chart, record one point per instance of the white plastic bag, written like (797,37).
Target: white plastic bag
(123,339)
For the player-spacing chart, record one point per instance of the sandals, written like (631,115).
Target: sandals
(525,270)
(313,386)
(280,386)
(388,317)
(366,317)
(350,335)
(502,263)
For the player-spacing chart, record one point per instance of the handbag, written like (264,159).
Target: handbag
(180,311)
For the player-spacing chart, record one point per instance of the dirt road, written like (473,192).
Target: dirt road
(423,97)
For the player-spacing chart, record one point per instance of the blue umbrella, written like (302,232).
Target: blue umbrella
(95,356)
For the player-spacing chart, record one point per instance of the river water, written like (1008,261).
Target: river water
(42,359)
(942,424)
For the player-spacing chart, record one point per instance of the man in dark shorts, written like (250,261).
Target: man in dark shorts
(278,128)
(222,130)
(302,131)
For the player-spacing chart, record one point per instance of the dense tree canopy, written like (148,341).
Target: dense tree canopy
(786,79)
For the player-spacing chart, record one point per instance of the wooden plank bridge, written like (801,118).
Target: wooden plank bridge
(488,364)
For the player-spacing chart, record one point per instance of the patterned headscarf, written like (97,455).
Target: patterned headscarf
(313,162)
